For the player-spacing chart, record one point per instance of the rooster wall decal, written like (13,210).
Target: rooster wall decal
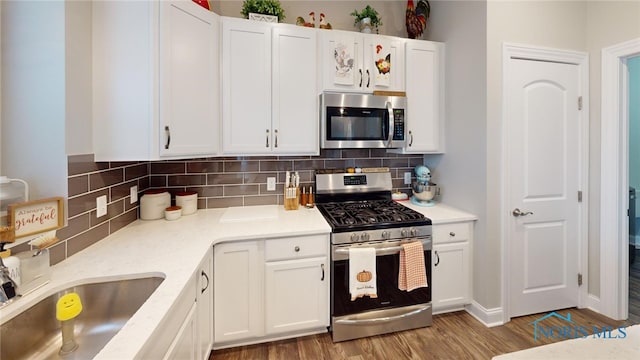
(417,18)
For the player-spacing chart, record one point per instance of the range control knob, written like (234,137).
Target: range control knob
(364,237)
(414,231)
(404,233)
(385,234)
(354,237)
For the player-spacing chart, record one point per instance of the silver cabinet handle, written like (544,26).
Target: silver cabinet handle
(275,143)
(368,78)
(168,132)
(437,259)
(297,248)
(360,71)
(516,212)
(322,267)
(452,234)
(267,138)
(411,138)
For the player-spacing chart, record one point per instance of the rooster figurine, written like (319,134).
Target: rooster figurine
(323,22)
(311,23)
(417,18)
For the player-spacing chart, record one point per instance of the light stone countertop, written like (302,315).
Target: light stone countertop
(174,250)
(441,213)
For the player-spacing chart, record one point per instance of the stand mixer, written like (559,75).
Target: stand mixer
(423,189)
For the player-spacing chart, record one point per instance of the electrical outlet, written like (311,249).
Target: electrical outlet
(407,178)
(271,183)
(133,194)
(101,206)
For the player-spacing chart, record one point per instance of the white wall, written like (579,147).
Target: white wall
(33,98)
(337,12)
(608,23)
(461,171)
(78,79)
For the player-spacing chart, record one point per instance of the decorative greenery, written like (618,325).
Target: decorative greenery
(267,7)
(367,12)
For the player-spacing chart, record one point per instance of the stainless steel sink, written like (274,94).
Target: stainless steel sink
(35,333)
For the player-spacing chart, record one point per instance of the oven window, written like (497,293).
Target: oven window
(389,296)
(356,124)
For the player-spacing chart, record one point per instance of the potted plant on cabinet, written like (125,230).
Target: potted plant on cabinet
(257,9)
(367,19)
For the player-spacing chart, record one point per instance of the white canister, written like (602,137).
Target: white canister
(188,200)
(153,203)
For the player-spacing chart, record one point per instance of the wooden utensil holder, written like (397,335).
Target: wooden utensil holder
(291,198)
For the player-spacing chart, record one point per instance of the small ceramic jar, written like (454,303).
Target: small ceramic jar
(173,212)
(188,200)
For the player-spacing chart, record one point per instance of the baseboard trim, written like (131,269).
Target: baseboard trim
(593,303)
(489,317)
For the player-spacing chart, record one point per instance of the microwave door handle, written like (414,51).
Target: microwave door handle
(392,124)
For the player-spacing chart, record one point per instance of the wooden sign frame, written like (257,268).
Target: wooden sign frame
(35,217)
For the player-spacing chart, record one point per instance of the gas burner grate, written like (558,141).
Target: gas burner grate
(376,212)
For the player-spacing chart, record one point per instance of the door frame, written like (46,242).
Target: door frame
(580,59)
(614,180)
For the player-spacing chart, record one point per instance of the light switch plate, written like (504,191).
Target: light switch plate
(101,206)
(133,194)
(271,183)
(407,178)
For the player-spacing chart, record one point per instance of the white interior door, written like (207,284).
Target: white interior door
(543,164)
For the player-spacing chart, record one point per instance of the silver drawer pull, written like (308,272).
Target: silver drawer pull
(297,248)
(452,234)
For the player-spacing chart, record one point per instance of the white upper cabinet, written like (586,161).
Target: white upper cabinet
(269,96)
(155,80)
(359,62)
(425,97)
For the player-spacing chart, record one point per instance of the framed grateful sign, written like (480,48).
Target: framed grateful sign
(34,217)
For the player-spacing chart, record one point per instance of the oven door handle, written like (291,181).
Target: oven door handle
(426,243)
(382,319)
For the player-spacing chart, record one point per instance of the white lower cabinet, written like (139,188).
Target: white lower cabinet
(451,265)
(296,295)
(184,344)
(186,333)
(268,289)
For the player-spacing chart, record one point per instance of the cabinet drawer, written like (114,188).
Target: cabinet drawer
(451,232)
(296,247)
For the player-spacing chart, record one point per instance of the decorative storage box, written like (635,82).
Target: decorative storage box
(263,17)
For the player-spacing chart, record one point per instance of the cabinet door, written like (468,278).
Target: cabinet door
(294,95)
(204,301)
(342,61)
(189,80)
(238,312)
(184,346)
(383,61)
(297,294)
(425,96)
(451,275)
(246,83)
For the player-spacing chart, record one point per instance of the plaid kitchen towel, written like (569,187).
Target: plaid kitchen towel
(412,273)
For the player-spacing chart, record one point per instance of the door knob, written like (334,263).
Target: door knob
(516,212)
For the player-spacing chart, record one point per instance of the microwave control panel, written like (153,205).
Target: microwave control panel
(398,124)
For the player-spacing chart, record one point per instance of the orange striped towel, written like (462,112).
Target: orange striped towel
(412,274)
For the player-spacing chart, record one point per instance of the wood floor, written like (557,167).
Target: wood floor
(453,336)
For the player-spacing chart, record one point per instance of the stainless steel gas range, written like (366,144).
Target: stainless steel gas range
(361,214)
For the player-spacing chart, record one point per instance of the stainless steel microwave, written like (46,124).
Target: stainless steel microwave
(362,121)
